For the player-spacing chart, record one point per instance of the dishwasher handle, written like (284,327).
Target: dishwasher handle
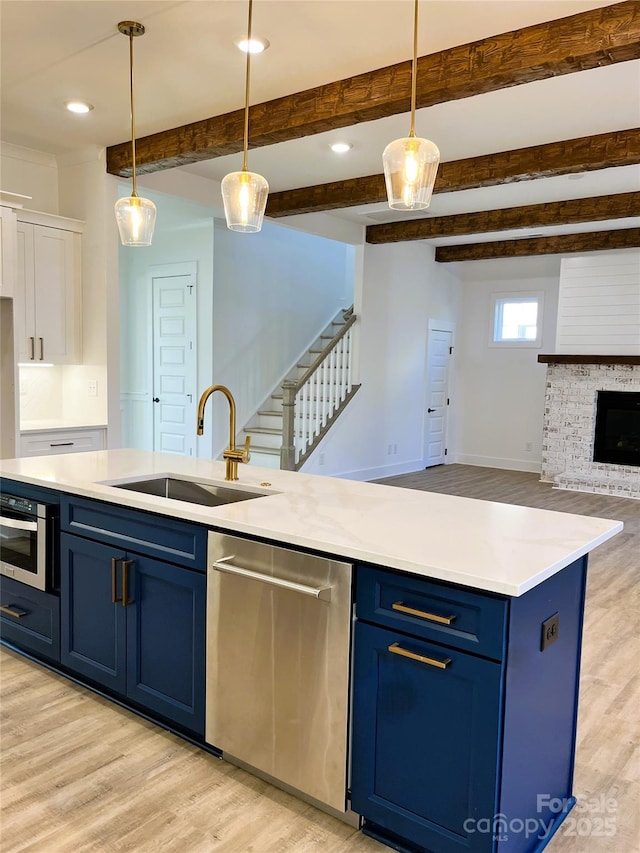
(321,592)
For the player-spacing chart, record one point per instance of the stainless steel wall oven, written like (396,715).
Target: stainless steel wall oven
(28,550)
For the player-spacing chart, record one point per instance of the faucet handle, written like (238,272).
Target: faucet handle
(246,456)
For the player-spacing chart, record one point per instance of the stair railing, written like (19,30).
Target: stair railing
(311,403)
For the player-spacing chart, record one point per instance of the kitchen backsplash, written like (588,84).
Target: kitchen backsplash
(73,393)
(40,393)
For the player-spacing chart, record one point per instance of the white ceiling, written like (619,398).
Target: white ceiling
(187,68)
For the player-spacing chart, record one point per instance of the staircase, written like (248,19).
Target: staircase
(316,409)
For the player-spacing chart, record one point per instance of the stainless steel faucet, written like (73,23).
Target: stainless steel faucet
(231,455)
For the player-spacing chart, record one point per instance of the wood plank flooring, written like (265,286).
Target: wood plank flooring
(81,775)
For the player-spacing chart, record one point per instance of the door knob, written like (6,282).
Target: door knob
(430,410)
(156,399)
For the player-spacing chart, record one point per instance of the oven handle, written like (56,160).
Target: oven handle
(16,524)
(321,592)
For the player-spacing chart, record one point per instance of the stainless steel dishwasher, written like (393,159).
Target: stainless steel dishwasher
(278,651)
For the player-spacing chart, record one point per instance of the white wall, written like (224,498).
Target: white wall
(500,391)
(262,299)
(274,293)
(30,173)
(402,289)
(599,305)
(184,232)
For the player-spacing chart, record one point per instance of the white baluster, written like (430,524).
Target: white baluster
(323,387)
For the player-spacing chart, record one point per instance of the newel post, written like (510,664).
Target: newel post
(288,450)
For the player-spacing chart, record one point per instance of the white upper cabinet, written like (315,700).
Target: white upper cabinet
(7,250)
(48,310)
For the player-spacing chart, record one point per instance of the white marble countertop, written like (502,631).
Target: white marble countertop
(54,424)
(480,544)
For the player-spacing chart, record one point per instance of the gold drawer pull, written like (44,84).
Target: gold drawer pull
(398,650)
(444,620)
(12,610)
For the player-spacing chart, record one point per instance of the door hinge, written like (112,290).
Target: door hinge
(445,451)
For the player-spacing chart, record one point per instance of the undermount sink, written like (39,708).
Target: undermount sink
(205,494)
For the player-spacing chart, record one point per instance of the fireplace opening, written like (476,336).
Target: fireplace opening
(617,435)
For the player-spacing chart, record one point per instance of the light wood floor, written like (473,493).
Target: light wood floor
(80,774)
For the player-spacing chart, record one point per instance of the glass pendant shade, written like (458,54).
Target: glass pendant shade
(410,167)
(244,195)
(136,218)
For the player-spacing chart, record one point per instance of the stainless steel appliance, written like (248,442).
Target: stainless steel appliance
(278,651)
(27,541)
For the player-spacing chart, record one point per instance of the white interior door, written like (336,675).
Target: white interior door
(438,358)
(174,358)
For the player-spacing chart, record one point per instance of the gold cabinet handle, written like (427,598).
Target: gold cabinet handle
(125,569)
(396,649)
(114,581)
(32,343)
(433,617)
(12,610)
(41,348)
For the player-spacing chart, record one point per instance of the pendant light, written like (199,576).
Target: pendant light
(136,217)
(410,164)
(244,193)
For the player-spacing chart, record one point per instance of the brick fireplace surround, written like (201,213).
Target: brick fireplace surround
(569,422)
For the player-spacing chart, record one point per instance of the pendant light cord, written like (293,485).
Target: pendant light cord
(246,91)
(134,192)
(414,70)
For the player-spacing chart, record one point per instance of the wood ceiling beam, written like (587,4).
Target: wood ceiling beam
(590,241)
(599,37)
(568,212)
(569,156)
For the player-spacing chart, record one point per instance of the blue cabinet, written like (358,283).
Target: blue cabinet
(426,727)
(131,623)
(463,724)
(93,625)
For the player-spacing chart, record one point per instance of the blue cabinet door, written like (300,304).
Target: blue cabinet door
(92,625)
(425,741)
(166,640)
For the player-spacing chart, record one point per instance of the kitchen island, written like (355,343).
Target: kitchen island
(462,711)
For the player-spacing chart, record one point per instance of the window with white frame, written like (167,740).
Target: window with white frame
(516,319)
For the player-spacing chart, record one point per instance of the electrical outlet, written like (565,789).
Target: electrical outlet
(92,388)
(550,630)
(528,447)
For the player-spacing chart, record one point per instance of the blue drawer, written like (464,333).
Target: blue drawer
(30,619)
(157,536)
(466,620)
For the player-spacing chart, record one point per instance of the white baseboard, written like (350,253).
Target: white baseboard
(532,466)
(364,475)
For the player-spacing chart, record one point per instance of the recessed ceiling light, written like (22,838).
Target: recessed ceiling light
(341,147)
(255,45)
(78,106)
